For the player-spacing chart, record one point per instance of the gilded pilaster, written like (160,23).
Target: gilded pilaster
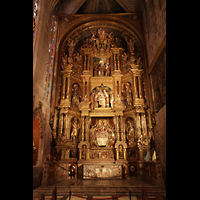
(117,128)
(87,128)
(122,128)
(60,125)
(82,128)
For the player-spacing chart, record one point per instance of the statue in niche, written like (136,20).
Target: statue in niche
(92,96)
(107,97)
(117,42)
(139,62)
(112,99)
(84,152)
(125,61)
(130,132)
(127,93)
(84,103)
(101,68)
(107,70)
(64,61)
(71,44)
(75,129)
(75,96)
(141,140)
(130,43)
(101,98)
(121,152)
(119,104)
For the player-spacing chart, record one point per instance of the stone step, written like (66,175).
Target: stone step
(114,191)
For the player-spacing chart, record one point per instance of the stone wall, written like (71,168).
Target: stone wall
(160,138)
(154,22)
(40,58)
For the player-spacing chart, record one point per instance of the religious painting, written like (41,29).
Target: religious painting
(101,66)
(73,153)
(158,78)
(131,153)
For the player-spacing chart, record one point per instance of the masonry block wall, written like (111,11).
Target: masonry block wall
(40,58)
(154,22)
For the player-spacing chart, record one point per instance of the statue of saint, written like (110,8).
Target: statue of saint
(83,156)
(128,94)
(101,99)
(112,99)
(101,68)
(107,98)
(75,129)
(75,98)
(130,132)
(121,153)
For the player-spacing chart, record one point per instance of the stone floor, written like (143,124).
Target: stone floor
(98,188)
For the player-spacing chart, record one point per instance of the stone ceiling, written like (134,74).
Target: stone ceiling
(98,6)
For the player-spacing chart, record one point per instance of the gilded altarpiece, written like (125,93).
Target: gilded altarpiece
(100,122)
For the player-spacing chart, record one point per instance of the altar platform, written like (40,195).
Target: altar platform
(99,187)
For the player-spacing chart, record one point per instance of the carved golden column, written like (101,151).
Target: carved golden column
(63,86)
(118,66)
(87,128)
(135,86)
(68,86)
(60,125)
(138,125)
(140,86)
(124,153)
(122,128)
(65,125)
(115,65)
(117,153)
(117,128)
(88,63)
(85,63)
(144,125)
(82,128)
(83,87)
